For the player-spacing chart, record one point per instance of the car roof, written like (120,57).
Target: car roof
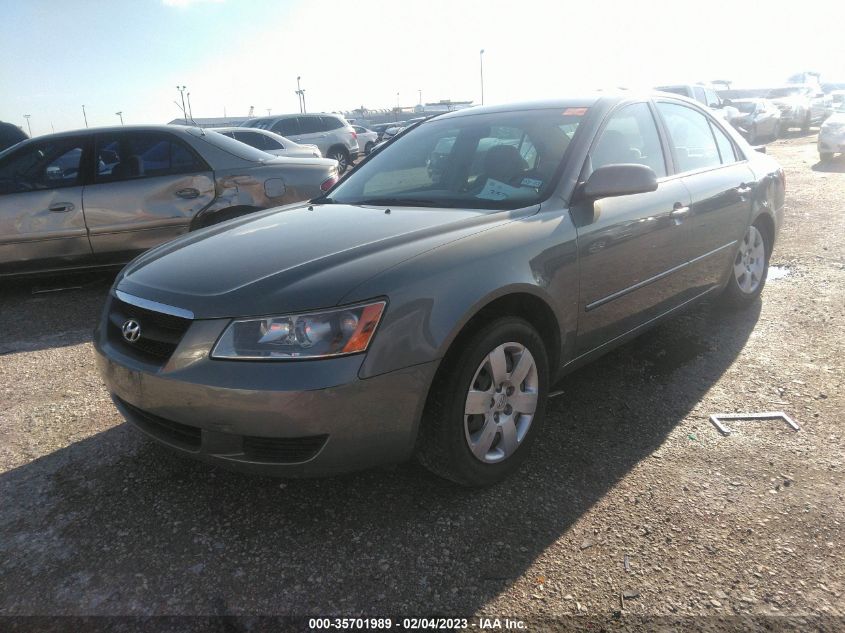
(123,128)
(276,117)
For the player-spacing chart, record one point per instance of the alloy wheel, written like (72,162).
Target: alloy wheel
(750,262)
(501,402)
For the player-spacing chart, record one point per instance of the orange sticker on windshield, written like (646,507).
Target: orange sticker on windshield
(575,112)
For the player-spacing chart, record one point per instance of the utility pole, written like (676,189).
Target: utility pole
(181,90)
(120,114)
(268,111)
(28,126)
(84,115)
(481,63)
(190,110)
(420,91)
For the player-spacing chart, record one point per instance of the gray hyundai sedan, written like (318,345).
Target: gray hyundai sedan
(423,306)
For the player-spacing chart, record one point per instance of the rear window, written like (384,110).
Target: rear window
(332,123)
(233,147)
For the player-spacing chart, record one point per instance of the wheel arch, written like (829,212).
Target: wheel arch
(519,302)
(766,221)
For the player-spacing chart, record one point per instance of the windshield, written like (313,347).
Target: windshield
(236,148)
(502,160)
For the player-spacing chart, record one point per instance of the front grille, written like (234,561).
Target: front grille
(160,332)
(168,431)
(283,449)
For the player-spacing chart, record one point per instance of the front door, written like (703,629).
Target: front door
(148,186)
(720,186)
(42,226)
(630,248)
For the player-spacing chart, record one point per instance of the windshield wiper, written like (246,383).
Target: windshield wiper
(403,202)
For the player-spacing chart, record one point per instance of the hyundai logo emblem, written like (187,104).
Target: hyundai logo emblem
(131,330)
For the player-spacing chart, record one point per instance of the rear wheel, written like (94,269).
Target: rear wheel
(342,158)
(486,405)
(368,147)
(750,267)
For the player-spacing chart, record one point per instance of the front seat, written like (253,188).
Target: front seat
(503,163)
(613,149)
(132,167)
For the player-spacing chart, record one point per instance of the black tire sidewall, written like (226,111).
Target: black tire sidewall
(465,467)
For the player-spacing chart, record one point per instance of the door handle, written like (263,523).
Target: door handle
(188,193)
(61,207)
(679,211)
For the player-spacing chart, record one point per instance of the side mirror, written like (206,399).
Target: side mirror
(619,180)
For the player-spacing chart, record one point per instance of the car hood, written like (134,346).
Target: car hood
(837,118)
(292,259)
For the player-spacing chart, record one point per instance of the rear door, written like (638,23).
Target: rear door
(312,130)
(720,184)
(42,226)
(630,248)
(147,188)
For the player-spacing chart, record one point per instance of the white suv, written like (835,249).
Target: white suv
(329,132)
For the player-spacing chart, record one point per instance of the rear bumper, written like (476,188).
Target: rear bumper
(306,418)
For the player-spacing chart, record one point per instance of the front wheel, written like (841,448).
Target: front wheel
(750,267)
(486,405)
(368,148)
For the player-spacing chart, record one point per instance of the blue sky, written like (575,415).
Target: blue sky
(129,55)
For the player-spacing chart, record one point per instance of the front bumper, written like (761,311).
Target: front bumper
(832,142)
(300,418)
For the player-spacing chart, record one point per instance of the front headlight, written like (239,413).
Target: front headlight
(312,335)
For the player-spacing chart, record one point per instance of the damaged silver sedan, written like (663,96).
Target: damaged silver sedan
(99,197)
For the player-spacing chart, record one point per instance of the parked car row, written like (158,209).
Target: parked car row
(331,133)
(425,304)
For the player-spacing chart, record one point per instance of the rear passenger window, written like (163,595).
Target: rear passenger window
(726,148)
(310,125)
(690,136)
(630,136)
(287,127)
(125,156)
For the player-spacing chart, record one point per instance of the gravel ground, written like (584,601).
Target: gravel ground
(95,520)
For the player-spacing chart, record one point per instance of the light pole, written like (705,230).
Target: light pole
(28,126)
(420,91)
(181,90)
(120,114)
(190,110)
(481,65)
(84,115)
(301,94)
(268,111)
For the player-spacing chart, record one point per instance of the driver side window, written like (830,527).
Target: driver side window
(630,136)
(47,165)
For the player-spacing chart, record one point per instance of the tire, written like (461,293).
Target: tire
(805,126)
(776,131)
(368,148)
(501,434)
(341,156)
(825,157)
(749,267)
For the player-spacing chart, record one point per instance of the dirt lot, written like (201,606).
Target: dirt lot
(96,520)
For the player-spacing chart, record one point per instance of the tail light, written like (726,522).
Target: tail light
(355,135)
(328,183)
